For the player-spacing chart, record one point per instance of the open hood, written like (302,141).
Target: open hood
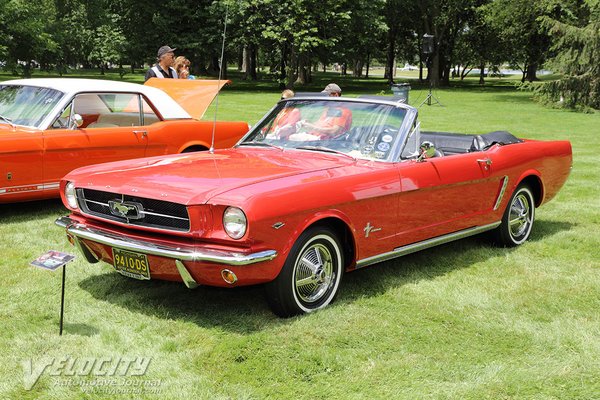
(193,95)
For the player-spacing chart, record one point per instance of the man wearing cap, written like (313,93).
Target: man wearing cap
(332,90)
(163,68)
(334,120)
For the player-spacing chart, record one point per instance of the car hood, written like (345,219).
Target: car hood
(197,177)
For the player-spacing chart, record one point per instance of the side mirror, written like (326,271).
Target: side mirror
(426,150)
(76,121)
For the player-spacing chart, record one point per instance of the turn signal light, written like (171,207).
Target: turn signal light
(229,276)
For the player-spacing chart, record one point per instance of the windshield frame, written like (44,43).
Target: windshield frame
(403,130)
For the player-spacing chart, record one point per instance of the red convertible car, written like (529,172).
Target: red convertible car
(319,187)
(49,127)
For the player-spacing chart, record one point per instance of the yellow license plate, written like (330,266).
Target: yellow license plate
(133,265)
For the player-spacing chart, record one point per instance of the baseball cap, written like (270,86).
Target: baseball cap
(332,88)
(164,50)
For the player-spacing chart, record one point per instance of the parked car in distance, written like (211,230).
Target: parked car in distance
(319,187)
(49,127)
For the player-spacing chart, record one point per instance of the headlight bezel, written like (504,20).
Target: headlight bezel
(235,222)
(71,195)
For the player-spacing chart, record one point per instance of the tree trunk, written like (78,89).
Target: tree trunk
(302,78)
(532,72)
(252,66)
(433,71)
(282,64)
(390,56)
(358,67)
(481,74)
(368,64)
(245,61)
(240,60)
(291,68)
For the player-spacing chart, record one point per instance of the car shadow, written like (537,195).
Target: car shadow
(19,212)
(245,310)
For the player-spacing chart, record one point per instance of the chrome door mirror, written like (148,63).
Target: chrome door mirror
(426,150)
(76,121)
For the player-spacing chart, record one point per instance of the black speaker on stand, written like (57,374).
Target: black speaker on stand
(428,48)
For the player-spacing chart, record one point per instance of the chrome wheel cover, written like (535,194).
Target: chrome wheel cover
(521,216)
(314,273)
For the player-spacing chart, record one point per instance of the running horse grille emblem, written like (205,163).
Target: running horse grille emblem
(126,209)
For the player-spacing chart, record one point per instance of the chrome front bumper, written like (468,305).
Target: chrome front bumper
(80,231)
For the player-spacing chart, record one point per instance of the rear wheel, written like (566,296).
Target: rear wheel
(311,275)
(518,218)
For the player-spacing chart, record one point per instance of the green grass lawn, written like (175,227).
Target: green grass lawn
(462,321)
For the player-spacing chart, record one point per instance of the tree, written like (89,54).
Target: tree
(575,25)
(519,29)
(26,34)
(445,20)
(477,46)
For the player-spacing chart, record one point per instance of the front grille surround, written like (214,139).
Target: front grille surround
(157,214)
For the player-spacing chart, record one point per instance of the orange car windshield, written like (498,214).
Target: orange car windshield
(27,105)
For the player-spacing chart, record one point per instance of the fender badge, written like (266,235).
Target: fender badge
(278,225)
(368,229)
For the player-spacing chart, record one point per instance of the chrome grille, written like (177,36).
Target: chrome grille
(154,214)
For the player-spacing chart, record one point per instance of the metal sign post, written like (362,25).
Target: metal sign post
(62,299)
(51,261)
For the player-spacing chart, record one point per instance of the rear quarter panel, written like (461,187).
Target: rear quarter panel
(170,137)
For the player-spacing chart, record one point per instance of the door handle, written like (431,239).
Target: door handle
(144,133)
(486,161)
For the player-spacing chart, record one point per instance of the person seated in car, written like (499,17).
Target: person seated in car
(285,122)
(334,120)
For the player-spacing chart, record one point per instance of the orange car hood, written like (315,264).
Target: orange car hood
(193,95)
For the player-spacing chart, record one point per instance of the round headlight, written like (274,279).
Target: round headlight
(234,222)
(71,195)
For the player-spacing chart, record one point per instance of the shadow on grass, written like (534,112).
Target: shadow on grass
(245,310)
(20,212)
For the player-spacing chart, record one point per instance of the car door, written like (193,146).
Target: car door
(20,163)
(112,130)
(445,194)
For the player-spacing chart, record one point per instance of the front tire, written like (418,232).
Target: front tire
(311,275)
(518,218)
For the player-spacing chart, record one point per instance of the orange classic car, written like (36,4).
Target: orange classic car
(49,127)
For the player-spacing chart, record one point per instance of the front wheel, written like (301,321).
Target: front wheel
(311,275)
(518,218)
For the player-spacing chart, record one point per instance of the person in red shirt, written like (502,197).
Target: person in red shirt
(334,120)
(285,122)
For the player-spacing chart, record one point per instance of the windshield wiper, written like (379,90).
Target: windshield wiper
(8,121)
(264,144)
(325,149)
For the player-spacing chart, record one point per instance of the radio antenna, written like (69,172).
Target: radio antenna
(212,142)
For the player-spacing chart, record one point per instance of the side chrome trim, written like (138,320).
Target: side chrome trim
(501,194)
(82,231)
(34,187)
(425,244)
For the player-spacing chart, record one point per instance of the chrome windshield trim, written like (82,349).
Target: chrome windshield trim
(82,231)
(414,247)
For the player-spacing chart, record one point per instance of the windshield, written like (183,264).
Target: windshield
(26,105)
(359,130)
